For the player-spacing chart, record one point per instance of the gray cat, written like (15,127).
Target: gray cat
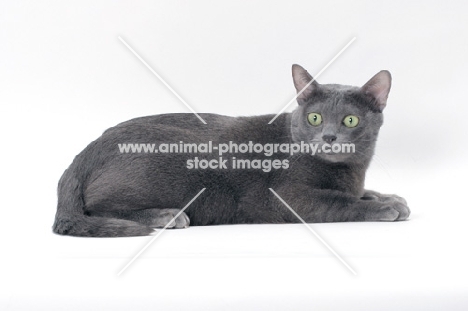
(109,193)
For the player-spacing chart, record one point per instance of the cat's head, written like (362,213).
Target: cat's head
(339,114)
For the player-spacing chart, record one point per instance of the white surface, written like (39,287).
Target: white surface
(65,77)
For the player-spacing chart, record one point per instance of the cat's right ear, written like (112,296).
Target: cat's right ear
(301,80)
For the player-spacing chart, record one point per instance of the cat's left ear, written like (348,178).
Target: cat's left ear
(378,88)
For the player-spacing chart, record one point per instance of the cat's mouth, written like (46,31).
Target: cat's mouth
(334,152)
(334,157)
(334,148)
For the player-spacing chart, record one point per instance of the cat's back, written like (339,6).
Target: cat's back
(174,121)
(190,126)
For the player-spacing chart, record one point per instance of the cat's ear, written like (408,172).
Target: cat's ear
(378,88)
(301,78)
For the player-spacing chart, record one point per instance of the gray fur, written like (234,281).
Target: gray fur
(105,193)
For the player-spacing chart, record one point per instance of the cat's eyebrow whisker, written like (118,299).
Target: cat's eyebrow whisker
(313,79)
(161,79)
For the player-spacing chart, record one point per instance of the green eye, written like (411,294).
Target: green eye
(314,119)
(351,121)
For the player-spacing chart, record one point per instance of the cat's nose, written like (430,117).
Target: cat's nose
(329,138)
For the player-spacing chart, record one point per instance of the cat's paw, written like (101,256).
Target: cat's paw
(392,198)
(167,215)
(375,196)
(392,209)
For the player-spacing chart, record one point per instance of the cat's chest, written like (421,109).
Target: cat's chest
(320,175)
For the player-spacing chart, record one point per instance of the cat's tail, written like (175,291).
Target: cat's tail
(70,218)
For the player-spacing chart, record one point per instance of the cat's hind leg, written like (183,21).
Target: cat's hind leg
(152,217)
(161,217)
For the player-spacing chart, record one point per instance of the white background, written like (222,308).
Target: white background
(65,77)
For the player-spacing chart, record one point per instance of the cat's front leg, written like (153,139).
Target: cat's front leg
(335,206)
(374,195)
(390,201)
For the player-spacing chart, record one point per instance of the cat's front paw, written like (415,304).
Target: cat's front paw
(392,209)
(376,196)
